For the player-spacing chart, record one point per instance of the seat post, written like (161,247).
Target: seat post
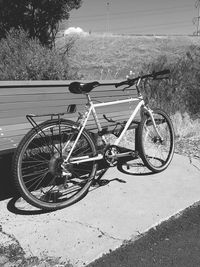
(90,104)
(88,99)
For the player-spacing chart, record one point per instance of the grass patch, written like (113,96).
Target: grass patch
(109,57)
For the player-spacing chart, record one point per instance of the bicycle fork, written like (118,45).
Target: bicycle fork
(150,112)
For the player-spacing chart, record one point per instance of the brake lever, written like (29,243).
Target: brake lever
(108,119)
(126,87)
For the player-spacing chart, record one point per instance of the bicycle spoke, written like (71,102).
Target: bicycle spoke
(39,179)
(83,153)
(43,182)
(42,142)
(35,172)
(33,166)
(34,161)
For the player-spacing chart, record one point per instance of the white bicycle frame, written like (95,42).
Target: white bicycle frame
(91,109)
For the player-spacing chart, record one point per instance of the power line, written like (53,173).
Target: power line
(119,17)
(182,23)
(133,13)
(196,20)
(108,15)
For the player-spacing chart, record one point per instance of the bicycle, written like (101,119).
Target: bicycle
(56,161)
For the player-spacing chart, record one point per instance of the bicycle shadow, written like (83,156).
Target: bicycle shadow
(134,167)
(128,165)
(99,182)
(13,208)
(7,189)
(19,206)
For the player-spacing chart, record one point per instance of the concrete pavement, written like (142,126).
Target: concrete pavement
(129,202)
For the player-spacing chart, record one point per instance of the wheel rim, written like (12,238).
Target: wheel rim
(40,172)
(157,151)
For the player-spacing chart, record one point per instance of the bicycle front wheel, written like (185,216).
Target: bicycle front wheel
(38,160)
(156,152)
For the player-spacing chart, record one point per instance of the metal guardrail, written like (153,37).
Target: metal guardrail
(19,98)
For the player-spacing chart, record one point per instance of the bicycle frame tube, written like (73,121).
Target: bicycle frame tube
(92,110)
(78,136)
(139,105)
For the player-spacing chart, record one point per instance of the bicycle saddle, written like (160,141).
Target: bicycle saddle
(82,88)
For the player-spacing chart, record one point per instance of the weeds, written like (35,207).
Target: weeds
(185,127)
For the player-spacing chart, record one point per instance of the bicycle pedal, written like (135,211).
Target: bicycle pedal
(100,182)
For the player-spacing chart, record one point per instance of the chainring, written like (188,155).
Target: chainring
(110,155)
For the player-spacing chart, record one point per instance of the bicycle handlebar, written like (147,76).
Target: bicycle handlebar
(153,75)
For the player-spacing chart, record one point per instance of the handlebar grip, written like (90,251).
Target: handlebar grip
(163,72)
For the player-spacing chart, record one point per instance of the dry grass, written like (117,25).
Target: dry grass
(109,57)
(185,126)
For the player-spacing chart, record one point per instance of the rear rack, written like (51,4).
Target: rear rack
(30,117)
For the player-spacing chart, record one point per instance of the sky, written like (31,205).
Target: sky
(136,16)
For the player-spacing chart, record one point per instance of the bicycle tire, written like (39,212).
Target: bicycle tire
(37,163)
(155,153)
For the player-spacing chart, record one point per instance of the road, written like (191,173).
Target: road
(126,204)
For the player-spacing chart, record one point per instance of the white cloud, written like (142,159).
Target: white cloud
(74,30)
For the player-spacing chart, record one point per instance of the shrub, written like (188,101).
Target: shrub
(181,92)
(22,58)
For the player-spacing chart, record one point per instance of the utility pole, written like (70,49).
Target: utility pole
(108,16)
(107,21)
(196,20)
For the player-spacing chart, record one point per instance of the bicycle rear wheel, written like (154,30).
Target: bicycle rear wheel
(39,177)
(156,153)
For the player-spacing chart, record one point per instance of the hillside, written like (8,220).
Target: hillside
(108,57)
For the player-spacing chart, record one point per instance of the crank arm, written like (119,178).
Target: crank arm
(125,154)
